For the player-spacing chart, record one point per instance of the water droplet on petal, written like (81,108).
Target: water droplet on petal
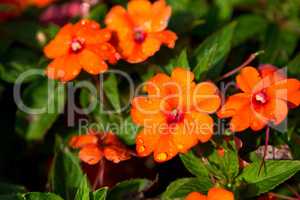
(162,156)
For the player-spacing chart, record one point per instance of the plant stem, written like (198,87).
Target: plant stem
(247,62)
(266,148)
(100,174)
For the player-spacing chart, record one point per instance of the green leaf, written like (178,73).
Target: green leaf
(41,196)
(128,131)
(66,174)
(128,189)
(83,192)
(226,166)
(17,61)
(47,98)
(294,66)
(248,26)
(225,9)
(110,86)
(194,164)
(98,12)
(186,14)
(180,188)
(279,45)
(180,61)
(213,50)
(51,30)
(100,194)
(274,173)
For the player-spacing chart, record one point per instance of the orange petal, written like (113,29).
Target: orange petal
(55,69)
(184,138)
(131,51)
(147,112)
(72,68)
(137,55)
(182,75)
(195,196)
(105,51)
(90,32)
(288,90)
(206,97)
(118,20)
(200,124)
(219,193)
(82,140)
(90,154)
(60,45)
(160,15)
(165,149)
(151,45)
(116,154)
(294,98)
(91,62)
(248,79)
(271,71)
(233,104)
(64,68)
(257,122)
(140,13)
(114,149)
(167,38)
(275,110)
(241,119)
(146,142)
(157,85)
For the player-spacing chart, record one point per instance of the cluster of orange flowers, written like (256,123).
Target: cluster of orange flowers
(134,35)
(213,194)
(175,112)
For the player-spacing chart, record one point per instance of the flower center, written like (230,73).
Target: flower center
(76,46)
(175,117)
(260,98)
(139,36)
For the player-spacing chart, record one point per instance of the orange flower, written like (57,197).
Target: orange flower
(94,146)
(213,194)
(174,115)
(80,46)
(141,30)
(265,97)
